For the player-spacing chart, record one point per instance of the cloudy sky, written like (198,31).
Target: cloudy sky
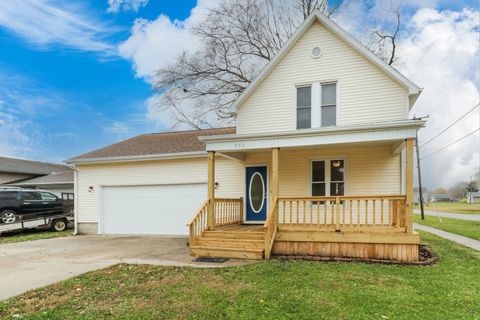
(75,76)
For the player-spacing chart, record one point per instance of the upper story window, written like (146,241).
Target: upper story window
(329,104)
(317,105)
(304,107)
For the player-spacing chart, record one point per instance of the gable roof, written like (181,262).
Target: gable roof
(413,90)
(28,166)
(153,145)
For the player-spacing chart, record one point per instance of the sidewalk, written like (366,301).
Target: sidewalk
(467,242)
(461,216)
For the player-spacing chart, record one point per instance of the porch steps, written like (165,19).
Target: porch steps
(228,243)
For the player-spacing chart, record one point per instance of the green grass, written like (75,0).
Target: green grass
(453,207)
(465,228)
(267,290)
(33,235)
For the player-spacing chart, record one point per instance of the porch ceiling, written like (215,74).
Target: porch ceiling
(390,132)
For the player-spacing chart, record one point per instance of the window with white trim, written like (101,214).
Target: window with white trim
(316,105)
(304,107)
(328,177)
(329,104)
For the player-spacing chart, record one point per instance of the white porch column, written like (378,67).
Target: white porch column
(211,190)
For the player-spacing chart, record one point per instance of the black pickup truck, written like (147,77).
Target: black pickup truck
(23,204)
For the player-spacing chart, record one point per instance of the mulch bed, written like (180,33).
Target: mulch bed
(426,257)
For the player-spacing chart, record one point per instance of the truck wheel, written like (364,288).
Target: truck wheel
(8,216)
(59,225)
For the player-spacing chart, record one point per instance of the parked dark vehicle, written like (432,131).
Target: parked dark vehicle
(18,204)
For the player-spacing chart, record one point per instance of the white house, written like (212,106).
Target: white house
(319,163)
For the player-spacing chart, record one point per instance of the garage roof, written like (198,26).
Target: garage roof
(164,143)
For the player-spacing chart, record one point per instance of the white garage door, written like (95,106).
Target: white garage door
(151,209)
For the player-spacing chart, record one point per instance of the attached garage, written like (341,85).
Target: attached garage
(152,184)
(163,209)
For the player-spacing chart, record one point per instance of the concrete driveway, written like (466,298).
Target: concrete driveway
(32,264)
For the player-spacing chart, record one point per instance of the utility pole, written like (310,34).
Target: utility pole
(420,191)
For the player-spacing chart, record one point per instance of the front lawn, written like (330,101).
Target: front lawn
(453,207)
(33,235)
(267,290)
(465,228)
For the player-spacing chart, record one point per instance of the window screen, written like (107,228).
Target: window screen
(329,104)
(304,107)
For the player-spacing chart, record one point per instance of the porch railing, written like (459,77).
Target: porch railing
(198,224)
(271,226)
(344,212)
(228,211)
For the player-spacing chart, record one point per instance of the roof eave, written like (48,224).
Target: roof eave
(330,130)
(161,156)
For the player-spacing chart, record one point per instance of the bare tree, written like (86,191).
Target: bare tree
(237,38)
(386,40)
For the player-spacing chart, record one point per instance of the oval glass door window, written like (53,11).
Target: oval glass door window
(257,192)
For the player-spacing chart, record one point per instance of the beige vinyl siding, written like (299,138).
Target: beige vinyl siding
(229,175)
(365,93)
(370,169)
(6,177)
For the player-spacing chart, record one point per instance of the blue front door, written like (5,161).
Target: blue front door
(256,193)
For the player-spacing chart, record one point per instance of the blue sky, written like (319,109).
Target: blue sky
(74,75)
(84,93)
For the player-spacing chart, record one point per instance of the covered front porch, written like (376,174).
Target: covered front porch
(343,199)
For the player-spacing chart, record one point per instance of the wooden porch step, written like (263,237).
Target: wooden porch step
(224,252)
(231,243)
(257,235)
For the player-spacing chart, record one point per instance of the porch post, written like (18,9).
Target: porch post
(211,190)
(409,186)
(275,177)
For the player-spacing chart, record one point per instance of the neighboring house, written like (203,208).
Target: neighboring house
(55,182)
(56,178)
(416,195)
(473,197)
(441,198)
(320,163)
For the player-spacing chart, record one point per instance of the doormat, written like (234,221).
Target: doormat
(211,260)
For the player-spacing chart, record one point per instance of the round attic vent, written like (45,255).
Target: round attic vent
(316,52)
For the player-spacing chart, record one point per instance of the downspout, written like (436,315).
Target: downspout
(75,200)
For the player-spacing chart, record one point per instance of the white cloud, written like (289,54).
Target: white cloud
(153,44)
(114,6)
(441,54)
(43,24)
(21,101)
(117,128)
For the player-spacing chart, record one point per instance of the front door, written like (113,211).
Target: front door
(256,193)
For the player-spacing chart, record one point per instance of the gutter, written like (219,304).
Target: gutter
(160,156)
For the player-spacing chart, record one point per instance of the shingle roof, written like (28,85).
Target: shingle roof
(29,166)
(65,177)
(155,143)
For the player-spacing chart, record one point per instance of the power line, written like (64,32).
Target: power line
(463,116)
(431,154)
